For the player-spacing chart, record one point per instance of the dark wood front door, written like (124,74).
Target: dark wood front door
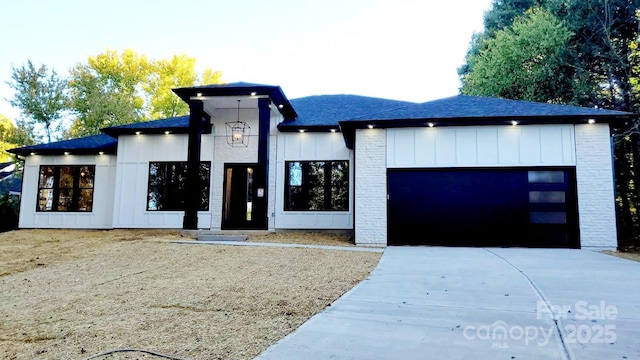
(244,205)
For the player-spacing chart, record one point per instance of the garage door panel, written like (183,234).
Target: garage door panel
(481,207)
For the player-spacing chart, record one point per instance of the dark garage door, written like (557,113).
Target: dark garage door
(483,207)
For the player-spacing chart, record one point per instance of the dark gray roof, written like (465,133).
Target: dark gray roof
(466,107)
(85,145)
(178,124)
(322,111)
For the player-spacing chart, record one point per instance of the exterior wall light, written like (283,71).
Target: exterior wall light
(430,124)
(100,152)
(301,130)
(591,121)
(66,153)
(238,132)
(32,153)
(167,132)
(370,126)
(138,133)
(333,130)
(514,123)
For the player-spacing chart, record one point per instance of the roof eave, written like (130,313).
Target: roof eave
(29,151)
(348,127)
(275,93)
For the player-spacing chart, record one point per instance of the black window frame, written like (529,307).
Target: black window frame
(176,199)
(328,200)
(60,202)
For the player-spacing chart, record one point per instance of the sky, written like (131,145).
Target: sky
(396,49)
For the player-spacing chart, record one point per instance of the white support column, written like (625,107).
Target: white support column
(371,187)
(596,195)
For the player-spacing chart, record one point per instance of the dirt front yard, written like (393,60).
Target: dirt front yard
(74,294)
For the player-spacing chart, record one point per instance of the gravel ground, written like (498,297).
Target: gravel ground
(75,294)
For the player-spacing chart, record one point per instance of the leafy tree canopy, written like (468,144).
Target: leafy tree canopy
(11,136)
(121,88)
(522,61)
(40,95)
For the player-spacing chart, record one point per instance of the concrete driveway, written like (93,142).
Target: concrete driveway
(494,303)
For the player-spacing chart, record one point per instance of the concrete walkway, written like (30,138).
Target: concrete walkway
(243,243)
(473,303)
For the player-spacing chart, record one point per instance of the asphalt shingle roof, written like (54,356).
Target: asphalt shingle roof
(84,145)
(174,124)
(464,106)
(328,110)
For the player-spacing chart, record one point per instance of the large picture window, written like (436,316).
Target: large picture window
(66,188)
(166,191)
(317,186)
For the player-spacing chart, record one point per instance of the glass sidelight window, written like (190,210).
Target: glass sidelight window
(167,186)
(317,185)
(66,188)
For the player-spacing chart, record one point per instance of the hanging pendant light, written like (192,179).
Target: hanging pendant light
(238,132)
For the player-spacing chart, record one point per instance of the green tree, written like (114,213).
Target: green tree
(522,61)
(121,88)
(167,74)
(105,91)
(40,95)
(11,136)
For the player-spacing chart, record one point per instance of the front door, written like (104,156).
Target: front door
(244,202)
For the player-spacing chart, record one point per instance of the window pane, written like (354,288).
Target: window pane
(46,177)
(65,200)
(86,177)
(548,217)
(85,203)
(295,174)
(340,185)
(546,176)
(205,178)
(66,177)
(45,200)
(554,197)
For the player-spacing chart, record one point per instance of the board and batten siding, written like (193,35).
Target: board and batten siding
(135,152)
(311,146)
(481,146)
(103,194)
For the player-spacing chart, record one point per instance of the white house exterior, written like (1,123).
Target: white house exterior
(457,171)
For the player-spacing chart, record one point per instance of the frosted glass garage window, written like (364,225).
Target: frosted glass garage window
(549,177)
(317,185)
